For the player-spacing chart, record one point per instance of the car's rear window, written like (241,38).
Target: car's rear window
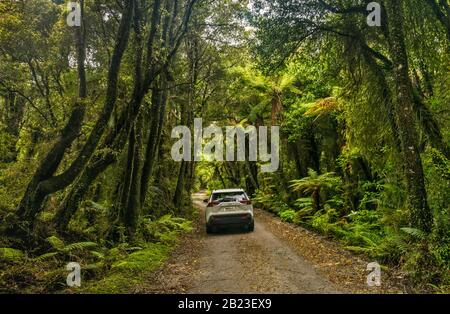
(229,197)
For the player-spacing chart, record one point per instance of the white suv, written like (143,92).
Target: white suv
(229,207)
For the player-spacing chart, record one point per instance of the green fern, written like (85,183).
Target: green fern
(56,243)
(46,256)
(97,206)
(165,228)
(59,248)
(315,181)
(416,233)
(78,246)
(358,249)
(97,254)
(304,202)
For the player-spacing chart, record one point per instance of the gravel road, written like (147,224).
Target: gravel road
(276,258)
(256,262)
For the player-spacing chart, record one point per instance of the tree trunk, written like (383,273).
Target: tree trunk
(380,77)
(159,101)
(43,183)
(442,12)
(13,113)
(178,194)
(316,200)
(420,214)
(295,154)
(115,140)
(73,199)
(113,143)
(313,151)
(430,126)
(153,139)
(130,200)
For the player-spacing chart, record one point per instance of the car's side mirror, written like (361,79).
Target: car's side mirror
(205,200)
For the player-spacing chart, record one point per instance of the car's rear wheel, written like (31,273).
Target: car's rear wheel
(251,226)
(209,229)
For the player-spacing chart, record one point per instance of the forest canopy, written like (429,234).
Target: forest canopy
(87,113)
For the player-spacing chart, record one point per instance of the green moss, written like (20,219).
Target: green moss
(131,270)
(9,254)
(139,261)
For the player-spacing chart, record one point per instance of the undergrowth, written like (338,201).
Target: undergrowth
(104,269)
(377,228)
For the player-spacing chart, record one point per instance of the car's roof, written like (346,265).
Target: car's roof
(228,190)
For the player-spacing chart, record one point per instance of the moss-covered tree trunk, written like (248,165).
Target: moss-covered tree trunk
(43,182)
(441,9)
(420,214)
(116,138)
(159,101)
(315,197)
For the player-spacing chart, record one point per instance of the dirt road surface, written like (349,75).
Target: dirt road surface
(276,258)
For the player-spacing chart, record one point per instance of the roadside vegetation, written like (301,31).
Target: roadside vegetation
(86,115)
(353,166)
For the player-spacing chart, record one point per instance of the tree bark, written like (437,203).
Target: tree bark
(316,200)
(178,194)
(420,214)
(107,155)
(129,201)
(114,141)
(442,12)
(34,196)
(430,126)
(158,109)
(159,101)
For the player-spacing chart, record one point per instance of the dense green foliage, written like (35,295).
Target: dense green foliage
(86,115)
(342,169)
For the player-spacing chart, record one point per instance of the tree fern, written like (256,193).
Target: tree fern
(315,181)
(304,202)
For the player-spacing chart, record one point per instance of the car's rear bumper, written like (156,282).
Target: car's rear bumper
(230,219)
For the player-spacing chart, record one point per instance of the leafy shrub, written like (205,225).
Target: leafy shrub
(73,249)
(391,250)
(287,215)
(164,229)
(325,220)
(268,201)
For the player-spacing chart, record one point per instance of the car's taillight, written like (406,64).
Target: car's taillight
(213,203)
(246,202)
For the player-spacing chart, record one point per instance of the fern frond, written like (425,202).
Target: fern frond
(97,254)
(97,206)
(358,249)
(79,246)
(56,243)
(45,256)
(416,233)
